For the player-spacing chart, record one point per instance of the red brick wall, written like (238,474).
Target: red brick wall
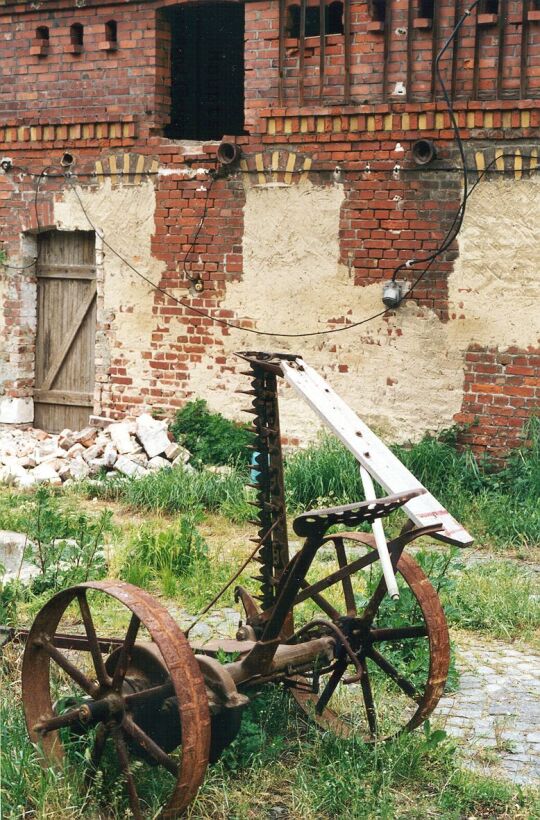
(107,101)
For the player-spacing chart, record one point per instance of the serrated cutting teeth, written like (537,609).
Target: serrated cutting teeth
(246,392)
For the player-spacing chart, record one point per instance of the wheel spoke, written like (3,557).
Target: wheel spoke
(346,582)
(375,601)
(369,703)
(125,653)
(99,745)
(93,642)
(75,674)
(398,633)
(47,725)
(123,757)
(149,745)
(330,687)
(404,684)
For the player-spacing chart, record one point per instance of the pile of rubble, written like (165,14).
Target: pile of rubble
(131,448)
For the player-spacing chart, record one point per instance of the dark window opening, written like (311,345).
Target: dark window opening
(77,34)
(207,71)
(42,34)
(426,9)
(378,10)
(111,31)
(333,20)
(489,7)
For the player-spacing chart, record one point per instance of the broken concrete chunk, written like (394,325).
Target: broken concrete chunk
(139,458)
(110,454)
(75,450)
(87,436)
(174,450)
(66,439)
(64,471)
(152,434)
(120,437)
(45,473)
(128,467)
(158,463)
(78,468)
(95,451)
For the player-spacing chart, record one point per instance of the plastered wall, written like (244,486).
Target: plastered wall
(404,374)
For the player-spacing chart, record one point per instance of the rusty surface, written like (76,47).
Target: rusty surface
(179,661)
(434,622)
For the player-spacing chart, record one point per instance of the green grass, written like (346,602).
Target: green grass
(177,490)
(277,763)
(499,508)
(498,598)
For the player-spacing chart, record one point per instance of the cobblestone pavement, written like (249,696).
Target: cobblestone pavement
(496,712)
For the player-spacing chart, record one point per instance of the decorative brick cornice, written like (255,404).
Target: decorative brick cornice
(492,116)
(13,135)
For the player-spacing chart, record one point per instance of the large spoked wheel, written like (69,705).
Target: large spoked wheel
(140,698)
(401,649)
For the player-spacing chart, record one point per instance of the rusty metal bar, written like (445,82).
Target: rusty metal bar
(434,47)
(302,51)
(523,80)
(322,46)
(281,58)
(347,49)
(500,51)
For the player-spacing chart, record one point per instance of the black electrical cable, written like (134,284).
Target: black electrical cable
(460,215)
(234,326)
(204,313)
(213,175)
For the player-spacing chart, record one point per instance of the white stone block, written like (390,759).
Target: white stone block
(174,450)
(152,434)
(120,437)
(78,468)
(16,411)
(158,463)
(45,473)
(127,467)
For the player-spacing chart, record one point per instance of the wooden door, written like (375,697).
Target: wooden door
(66,330)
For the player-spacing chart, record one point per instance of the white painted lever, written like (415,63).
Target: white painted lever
(380,538)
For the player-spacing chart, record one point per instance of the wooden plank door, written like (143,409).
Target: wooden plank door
(66,330)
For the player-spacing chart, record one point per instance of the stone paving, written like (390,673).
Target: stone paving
(496,712)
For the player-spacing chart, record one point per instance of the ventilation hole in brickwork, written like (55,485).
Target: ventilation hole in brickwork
(77,34)
(378,10)
(207,70)
(333,19)
(489,7)
(42,34)
(426,9)
(111,31)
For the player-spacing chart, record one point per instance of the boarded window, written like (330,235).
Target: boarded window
(207,71)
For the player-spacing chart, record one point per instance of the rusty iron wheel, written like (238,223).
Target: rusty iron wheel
(108,695)
(409,693)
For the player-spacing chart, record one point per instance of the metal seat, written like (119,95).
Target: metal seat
(316,522)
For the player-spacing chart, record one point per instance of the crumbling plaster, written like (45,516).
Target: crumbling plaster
(403,374)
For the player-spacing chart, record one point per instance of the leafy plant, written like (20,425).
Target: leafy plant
(166,554)
(66,545)
(210,437)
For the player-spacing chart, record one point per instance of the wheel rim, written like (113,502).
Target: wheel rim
(106,690)
(411,699)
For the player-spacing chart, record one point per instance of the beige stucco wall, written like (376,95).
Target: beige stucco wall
(405,373)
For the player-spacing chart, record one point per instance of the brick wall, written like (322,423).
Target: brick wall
(106,103)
